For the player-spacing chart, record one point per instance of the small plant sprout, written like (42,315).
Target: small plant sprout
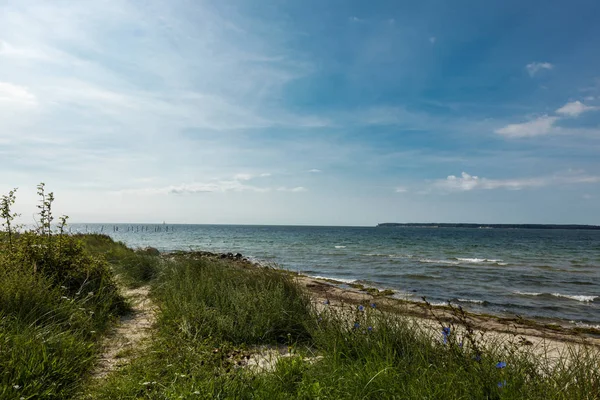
(6,203)
(45,208)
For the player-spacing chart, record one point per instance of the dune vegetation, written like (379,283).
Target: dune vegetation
(230,329)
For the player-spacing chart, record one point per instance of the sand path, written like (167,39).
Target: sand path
(129,335)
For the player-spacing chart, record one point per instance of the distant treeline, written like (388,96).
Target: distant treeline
(486,226)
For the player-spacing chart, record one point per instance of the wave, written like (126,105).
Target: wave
(481,260)
(387,255)
(584,325)
(529,293)
(421,276)
(578,297)
(430,261)
(328,278)
(474,301)
(460,260)
(439,303)
(340,247)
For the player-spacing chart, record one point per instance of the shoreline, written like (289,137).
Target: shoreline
(322,289)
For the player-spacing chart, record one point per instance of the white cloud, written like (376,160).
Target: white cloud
(239,183)
(467,182)
(401,189)
(534,67)
(295,189)
(314,171)
(574,108)
(221,186)
(243,177)
(540,126)
(15,94)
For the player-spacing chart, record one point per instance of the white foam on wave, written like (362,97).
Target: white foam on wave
(430,261)
(388,255)
(471,301)
(342,280)
(479,260)
(528,293)
(439,303)
(578,297)
(584,325)
(340,247)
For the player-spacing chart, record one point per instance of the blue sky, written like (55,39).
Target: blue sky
(303,112)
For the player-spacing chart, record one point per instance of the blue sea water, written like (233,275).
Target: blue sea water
(533,273)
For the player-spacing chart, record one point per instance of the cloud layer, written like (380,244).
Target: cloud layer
(467,182)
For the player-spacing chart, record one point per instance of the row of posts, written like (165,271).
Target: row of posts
(134,228)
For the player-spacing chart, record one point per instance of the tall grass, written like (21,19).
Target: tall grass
(56,300)
(213,313)
(207,298)
(134,268)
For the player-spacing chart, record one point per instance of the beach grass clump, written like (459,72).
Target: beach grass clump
(56,300)
(134,268)
(214,298)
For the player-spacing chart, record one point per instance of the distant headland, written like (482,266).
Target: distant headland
(485,226)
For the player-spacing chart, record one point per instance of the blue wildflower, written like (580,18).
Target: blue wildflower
(477,357)
(501,384)
(501,364)
(446,333)
(373,305)
(370,328)
(326,302)
(361,308)
(356,325)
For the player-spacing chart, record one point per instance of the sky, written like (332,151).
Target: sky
(309,112)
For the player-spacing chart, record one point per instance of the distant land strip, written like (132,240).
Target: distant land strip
(486,226)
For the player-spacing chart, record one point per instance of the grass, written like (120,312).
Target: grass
(213,311)
(134,268)
(56,300)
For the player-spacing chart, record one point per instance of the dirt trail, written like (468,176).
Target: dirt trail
(129,334)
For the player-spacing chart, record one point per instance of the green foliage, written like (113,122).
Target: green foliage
(134,268)
(208,298)
(56,299)
(7,216)
(212,311)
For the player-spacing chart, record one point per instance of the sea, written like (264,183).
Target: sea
(549,274)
